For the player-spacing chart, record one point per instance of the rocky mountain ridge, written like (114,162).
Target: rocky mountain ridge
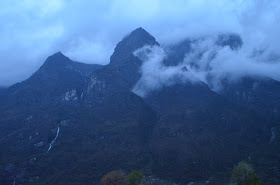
(94,123)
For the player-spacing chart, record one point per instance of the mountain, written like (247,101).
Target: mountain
(58,83)
(259,94)
(56,78)
(72,123)
(243,117)
(88,113)
(123,69)
(177,52)
(200,131)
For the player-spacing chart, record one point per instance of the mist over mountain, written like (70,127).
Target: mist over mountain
(154,108)
(88,31)
(179,92)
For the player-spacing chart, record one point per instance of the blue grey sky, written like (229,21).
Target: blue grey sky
(88,30)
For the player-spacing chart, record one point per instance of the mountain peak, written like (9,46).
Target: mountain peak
(56,60)
(57,56)
(140,36)
(140,32)
(135,40)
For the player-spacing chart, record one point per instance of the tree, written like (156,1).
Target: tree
(116,177)
(134,178)
(244,174)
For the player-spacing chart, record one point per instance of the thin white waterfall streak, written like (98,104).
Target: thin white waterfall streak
(53,141)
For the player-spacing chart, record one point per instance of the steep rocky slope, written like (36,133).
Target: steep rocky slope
(70,123)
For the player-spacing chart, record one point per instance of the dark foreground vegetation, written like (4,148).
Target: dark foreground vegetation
(242,174)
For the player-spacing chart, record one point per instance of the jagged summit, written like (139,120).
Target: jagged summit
(56,60)
(57,54)
(135,40)
(124,66)
(139,37)
(141,33)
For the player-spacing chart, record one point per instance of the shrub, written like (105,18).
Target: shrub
(114,178)
(244,174)
(134,178)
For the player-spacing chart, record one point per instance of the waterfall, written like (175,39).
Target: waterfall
(53,141)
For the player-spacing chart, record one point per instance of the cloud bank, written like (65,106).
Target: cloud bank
(207,62)
(156,75)
(214,64)
(87,31)
(217,64)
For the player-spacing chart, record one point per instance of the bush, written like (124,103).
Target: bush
(114,178)
(134,178)
(244,174)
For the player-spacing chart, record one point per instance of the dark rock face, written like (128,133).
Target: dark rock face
(234,41)
(93,108)
(177,52)
(51,82)
(95,124)
(200,132)
(259,94)
(58,84)
(124,66)
(125,48)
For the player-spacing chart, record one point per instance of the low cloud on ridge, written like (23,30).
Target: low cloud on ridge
(206,62)
(258,57)
(155,75)
(87,31)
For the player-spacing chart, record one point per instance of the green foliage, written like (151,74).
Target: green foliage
(134,178)
(244,174)
(114,178)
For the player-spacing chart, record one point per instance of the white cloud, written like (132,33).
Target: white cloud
(155,75)
(88,30)
(228,64)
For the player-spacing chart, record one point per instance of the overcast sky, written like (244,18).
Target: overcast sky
(88,30)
